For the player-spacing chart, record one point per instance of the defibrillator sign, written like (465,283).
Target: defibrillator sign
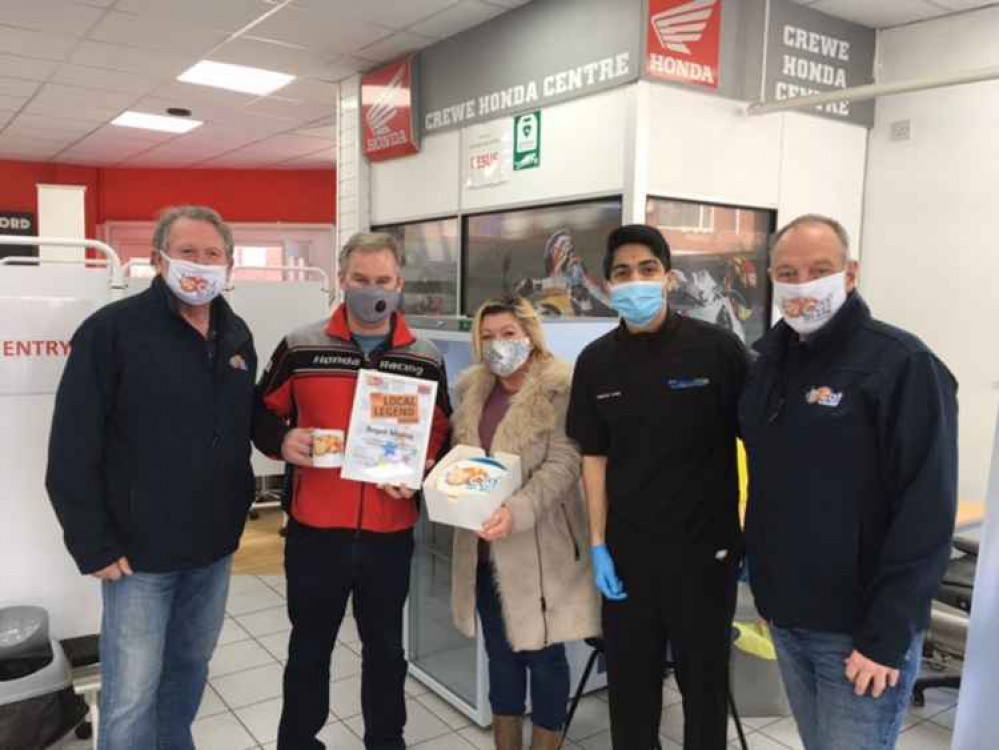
(527,141)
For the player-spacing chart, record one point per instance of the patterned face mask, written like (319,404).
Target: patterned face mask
(807,307)
(504,357)
(193,283)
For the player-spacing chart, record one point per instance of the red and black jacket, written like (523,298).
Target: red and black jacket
(310,382)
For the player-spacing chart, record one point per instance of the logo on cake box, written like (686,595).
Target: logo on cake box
(466,487)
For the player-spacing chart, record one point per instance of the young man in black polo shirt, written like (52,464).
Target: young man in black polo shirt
(654,409)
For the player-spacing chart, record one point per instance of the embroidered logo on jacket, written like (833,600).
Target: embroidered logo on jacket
(824,396)
(237,362)
(686,384)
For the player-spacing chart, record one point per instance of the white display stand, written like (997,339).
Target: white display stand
(977,724)
(272,310)
(51,299)
(42,302)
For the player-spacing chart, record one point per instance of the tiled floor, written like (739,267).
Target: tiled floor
(242,703)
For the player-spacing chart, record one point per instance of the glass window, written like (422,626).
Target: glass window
(431,271)
(719,262)
(259,258)
(553,255)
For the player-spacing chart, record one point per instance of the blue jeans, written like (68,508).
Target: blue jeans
(829,715)
(157,636)
(508,669)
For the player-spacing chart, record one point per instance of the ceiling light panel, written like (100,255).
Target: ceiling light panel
(232,77)
(147,121)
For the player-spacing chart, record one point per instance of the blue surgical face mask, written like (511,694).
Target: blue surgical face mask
(638,302)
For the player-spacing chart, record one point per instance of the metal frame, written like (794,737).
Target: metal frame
(874,90)
(110,256)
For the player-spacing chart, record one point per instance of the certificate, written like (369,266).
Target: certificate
(389,429)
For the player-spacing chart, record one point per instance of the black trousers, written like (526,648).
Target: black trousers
(324,568)
(681,595)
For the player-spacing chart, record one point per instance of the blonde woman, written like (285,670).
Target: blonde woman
(527,573)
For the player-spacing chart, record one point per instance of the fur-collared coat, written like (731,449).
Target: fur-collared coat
(542,568)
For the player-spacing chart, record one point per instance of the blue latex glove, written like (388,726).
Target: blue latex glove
(605,576)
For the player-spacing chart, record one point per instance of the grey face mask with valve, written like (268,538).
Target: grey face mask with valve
(371,305)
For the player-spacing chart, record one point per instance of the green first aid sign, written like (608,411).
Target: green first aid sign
(527,141)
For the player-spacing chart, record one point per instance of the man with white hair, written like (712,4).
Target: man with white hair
(149,473)
(851,430)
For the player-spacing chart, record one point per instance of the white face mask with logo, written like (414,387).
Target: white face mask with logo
(807,307)
(193,283)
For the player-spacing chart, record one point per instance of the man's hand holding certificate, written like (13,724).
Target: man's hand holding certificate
(390,431)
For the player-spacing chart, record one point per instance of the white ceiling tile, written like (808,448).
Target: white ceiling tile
(103,79)
(308,162)
(11,154)
(282,58)
(227,15)
(29,146)
(131,59)
(14,41)
(237,161)
(309,90)
(457,18)
(878,15)
(238,130)
(507,3)
(54,128)
(287,146)
(319,30)
(394,46)
(400,14)
(181,148)
(959,5)
(82,104)
(117,152)
(51,16)
(27,68)
(392,14)
(192,95)
(17,87)
(327,132)
(17,133)
(13,130)
(89,161)
(11,103)
(151,160)
(296,112)
(113,135)
(157,33)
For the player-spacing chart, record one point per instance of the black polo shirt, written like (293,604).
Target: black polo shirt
(662,407)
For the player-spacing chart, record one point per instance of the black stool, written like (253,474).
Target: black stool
(597,644)
(956,590)
(83,651)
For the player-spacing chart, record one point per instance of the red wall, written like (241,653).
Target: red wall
(18,191)
(302,196)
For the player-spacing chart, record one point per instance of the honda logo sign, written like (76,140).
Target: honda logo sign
(387,117)
(684,41)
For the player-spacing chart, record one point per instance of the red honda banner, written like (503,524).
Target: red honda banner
(684,41)
(387,112)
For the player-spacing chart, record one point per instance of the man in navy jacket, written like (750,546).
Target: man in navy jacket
(149,474)
(851,430)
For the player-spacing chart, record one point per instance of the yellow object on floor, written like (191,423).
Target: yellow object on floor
(754,639)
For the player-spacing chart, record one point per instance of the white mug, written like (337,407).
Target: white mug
(327,448)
